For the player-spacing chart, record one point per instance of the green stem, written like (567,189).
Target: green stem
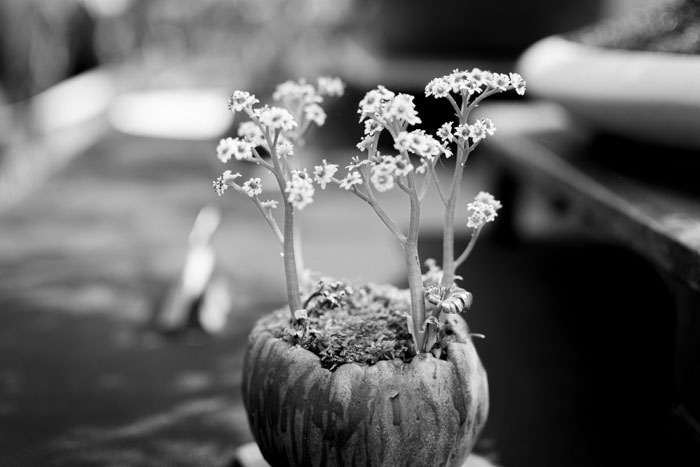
(298,250)
(448,238)
(370,199)
(433,174)
(290,268)
(291,272)
(412,259)
(467,251)
(269,219)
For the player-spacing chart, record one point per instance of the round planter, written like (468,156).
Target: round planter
(428,412)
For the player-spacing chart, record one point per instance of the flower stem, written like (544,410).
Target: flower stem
(467,251)
(270,220)
(298,250)
(448,238)
(433,175)
(290,266)
(291,271)
(412,259)
(370,199)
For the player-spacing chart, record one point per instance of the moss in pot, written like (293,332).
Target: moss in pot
(366,374)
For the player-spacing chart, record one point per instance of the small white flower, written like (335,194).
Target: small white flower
(423,144)
(477,131)
(501,81)
(387,164)
(460,80)
(223,182)
(482,77)
(374,102)
(462,131)
(224,150)
(432,147)
(446,151)
(370,104)
(315,113)
(483,209)
(418,141)
(301,174)
(331,86)
(285,149)
(403,109)
(472,87)
(445,132)
(240,100)
(277,118)
(402,166)
(488,198)
(384,93)
(518,83)
(438,87)
(252,133)
(488,126)
(269,204)
(402,142)
(350,180)
(372,126)
(252,187)
(323,174)
(382,179)
(296,91)
(299,190)
(241,150)
(219,186)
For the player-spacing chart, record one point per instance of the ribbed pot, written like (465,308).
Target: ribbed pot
(425,413)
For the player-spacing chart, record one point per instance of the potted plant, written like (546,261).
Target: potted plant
(361,373)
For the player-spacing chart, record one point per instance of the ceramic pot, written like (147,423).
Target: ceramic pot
(428,412)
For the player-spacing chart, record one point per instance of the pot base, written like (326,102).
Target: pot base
(249,455)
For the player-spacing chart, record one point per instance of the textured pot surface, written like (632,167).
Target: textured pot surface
(425,413)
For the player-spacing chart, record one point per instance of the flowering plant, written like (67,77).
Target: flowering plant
(275,133)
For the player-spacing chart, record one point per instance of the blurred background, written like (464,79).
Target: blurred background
(110,112)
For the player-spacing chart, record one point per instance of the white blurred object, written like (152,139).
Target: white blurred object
(196,114)
(200,297)
(74,101)
(647,96)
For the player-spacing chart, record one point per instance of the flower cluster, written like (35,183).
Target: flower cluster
(273,134)
(474,81)
(274,131)
(269,138)
(484,209)
(418,153)
(300,189)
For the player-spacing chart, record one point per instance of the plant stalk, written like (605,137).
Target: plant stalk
(290,266)
(291,272)
(413,266)
(448,238)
